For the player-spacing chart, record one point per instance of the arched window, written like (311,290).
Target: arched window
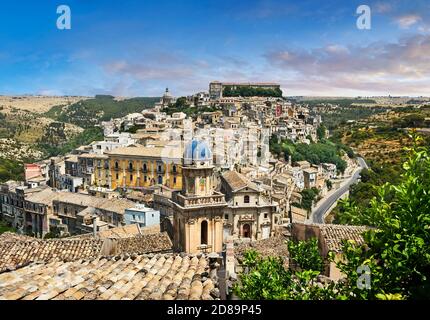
(116,165)
(246,199)
(145,167)
(130,166)
(174,169)
(204,232)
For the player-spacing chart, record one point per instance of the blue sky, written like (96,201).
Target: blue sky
(137,48)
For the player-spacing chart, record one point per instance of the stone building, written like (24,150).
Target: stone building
(198,208)
(249,213)
(38,211)
(143,167)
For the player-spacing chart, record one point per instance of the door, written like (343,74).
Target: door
(246,230)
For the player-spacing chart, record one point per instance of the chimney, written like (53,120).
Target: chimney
(95,220)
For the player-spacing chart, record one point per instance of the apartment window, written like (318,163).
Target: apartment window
(246,199)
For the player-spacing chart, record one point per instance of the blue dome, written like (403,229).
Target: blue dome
(196,151)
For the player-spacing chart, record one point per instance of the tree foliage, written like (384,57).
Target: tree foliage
(87,113)
(305,255)
(398,251)
(268,279)
(11,170)
(396,248)
(324,151)
(308,198)
(84,138)
(248,91)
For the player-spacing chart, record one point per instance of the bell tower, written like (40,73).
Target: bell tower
(198,208)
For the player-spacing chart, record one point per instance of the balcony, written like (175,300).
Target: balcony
(187,202)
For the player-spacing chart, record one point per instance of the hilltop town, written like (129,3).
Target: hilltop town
(189,184)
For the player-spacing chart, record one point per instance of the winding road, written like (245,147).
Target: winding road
(320,211)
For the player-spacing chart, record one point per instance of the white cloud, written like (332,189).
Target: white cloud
(407,21)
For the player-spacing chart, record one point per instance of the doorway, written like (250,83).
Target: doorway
(246,230)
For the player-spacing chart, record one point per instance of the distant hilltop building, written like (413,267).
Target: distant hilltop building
(167,98)
(217,89)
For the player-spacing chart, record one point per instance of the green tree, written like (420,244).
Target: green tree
(308,197)
(305,255)
(398,250)
(321,132)
(268,279)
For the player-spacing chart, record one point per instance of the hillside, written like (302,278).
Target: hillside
(89,112)
(37,104)
(381,140)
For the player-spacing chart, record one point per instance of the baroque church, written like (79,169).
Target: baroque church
(198,208)
(204,218)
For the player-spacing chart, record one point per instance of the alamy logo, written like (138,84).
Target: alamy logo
(363,281)
(64,21)
(364,21)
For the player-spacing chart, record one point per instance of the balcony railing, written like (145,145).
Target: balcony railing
(198,201)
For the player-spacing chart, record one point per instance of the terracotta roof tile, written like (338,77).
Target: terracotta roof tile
(148,277)
(16,254)
(334,234)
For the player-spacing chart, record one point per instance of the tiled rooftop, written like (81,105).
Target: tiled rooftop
(127,231)
(237,181)
(14,255)
(139,277)
(17,254)
(11,237)
(334,234)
